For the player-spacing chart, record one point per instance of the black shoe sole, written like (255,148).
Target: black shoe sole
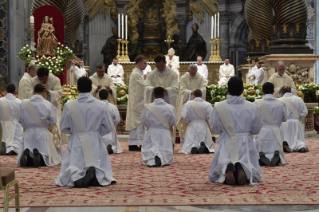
(263,160)
(24,158)
(194,150)
(230,179)
(78,183)
(241,177)
(276,159)
(88,177)
(36,158)
(158,162)
(202,148)
(109,149)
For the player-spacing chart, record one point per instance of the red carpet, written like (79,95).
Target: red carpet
(185,182)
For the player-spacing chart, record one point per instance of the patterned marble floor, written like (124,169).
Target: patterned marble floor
(242,208)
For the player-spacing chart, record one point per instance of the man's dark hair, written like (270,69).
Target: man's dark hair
(11,88)
(268,88)
(198,93)
(159,92)
(235,86)
(226,58)
(84,85)
(103,94)
(139,58)
(42,72)
(38,88)
(286,89)
(160,58)
(100,65)
(115,58)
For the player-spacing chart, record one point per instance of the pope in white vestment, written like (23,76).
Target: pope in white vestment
(135,105)
(226,71)
(197,113)
(292,129)
(202,69)
(116,72)
(12,130)
(235,120)
(86,119)
(269,140)
(110,140)
(100,80)
(158,117)
(25,87)
(173,61)
(35,116)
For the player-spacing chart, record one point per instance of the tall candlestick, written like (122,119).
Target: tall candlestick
(212,30)
(31,19)
(125,27)
(122,26)
(218,26)
(215,26)
(119,25)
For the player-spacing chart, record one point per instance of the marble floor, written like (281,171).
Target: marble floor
(241,208)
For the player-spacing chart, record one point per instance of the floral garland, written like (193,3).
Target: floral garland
(55,64)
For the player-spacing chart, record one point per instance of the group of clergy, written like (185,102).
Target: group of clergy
(159,104)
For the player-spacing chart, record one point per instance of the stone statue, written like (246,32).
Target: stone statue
(196,45)
(47,42)
(109,50)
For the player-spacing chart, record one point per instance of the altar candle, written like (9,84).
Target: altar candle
(122,26)
(119,25)
(31,19)
(218,26)
(215,26)
(125,27)
(212,30)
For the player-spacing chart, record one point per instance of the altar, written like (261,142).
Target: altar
(213,70)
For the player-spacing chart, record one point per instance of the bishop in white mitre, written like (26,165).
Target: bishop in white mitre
(281,79)
(293,136)
(116,72)
(12,130)
(202,69)
(25,85)
(235,120)
(36,115)
(110,140)
(226,71)
(269,141)
(135,105)
(79,71)
(100,80)
(53,93)
(173,61)
(198,138)
(158,117)
(85,161)
(189,82)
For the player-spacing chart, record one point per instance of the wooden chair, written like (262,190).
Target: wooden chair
(7,180)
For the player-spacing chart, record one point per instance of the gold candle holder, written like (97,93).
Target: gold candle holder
(218,58)
(125,56)
(122,56)
(118,56)
(211,58)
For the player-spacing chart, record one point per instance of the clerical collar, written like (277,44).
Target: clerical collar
(139,69)
(163,72)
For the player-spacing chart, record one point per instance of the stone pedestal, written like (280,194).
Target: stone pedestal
(301,60)
(308,122)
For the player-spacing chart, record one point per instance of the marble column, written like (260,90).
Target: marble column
(224,34)
(182,23)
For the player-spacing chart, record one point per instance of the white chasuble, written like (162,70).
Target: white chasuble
(280,81)
(104,81)
(25,87)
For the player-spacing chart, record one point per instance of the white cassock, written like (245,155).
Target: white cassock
(79,71)
(25,87)
(292,129)
(104,81)
(35,116)
(235,143)
(252,71)
(134,108)
(12,130)
(147,70)
(197,113)
(118,71)
(187,85)
(111,138)
(258,77)
(269,139)
(224,72)
(175,64)
(280,81)
(203,71)
(86,119)
(158,117)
